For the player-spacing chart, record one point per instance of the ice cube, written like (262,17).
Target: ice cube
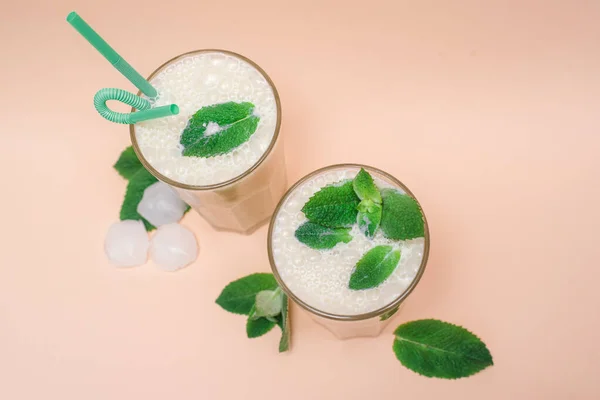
(126,243)
(161,205)
(173,247)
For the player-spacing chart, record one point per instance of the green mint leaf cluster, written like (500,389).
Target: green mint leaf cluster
(321,237)
(258,297)
(218,129)
(374,267)
(333,210)
(439,349)
(129,167)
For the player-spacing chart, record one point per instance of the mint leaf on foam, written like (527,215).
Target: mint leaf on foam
(374,267)
(219,129)
(439,349)
(321,237)
(333,206)
(401,218)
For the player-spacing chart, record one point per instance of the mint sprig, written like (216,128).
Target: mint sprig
(439,349)
(239,296)
(333,206)
(321,237)
(129,167)
(219,129)
(401,218)
(374,267)
(259,297)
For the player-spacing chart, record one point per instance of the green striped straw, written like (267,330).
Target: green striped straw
(130,73)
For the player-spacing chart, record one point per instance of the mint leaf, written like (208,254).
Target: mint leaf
(218,129)
(321,237)
(239,296)
(439,349)
(369,217)
(268,303)
(133,195)
(284,323)
(365,188)
(387,315)
(257,326)
(128,164)
(401,218)
(333,206)
(374,267)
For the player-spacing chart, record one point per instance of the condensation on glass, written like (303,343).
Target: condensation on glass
(350,326)
(245,202)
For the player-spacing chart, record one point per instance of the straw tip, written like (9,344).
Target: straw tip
(174,109)
(72,16)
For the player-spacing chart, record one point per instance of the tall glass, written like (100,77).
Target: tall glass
(246,201)
(347,326)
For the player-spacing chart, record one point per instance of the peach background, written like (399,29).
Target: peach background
(487,110)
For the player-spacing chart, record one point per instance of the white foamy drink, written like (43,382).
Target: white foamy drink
(236,186)
(320,278)
(197,81)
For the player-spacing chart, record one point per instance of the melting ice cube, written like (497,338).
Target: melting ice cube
(126,243)
(173,247)
(161,205)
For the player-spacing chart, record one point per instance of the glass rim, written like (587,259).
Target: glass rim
(235,179)
(339,317)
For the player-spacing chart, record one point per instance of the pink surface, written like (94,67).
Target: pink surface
(489,113)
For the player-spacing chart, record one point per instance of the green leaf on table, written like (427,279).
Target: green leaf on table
(374,267)
(219,129)
(128,163)
(333,206)
(318,236)
(439,349)
(133,195)
(369,217)
(129,167)
(401,218)
(365,187)
(257,326)
(239,296)
(268,303)
(284,324)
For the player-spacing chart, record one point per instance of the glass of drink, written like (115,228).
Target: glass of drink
(236,191)
(318,279)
